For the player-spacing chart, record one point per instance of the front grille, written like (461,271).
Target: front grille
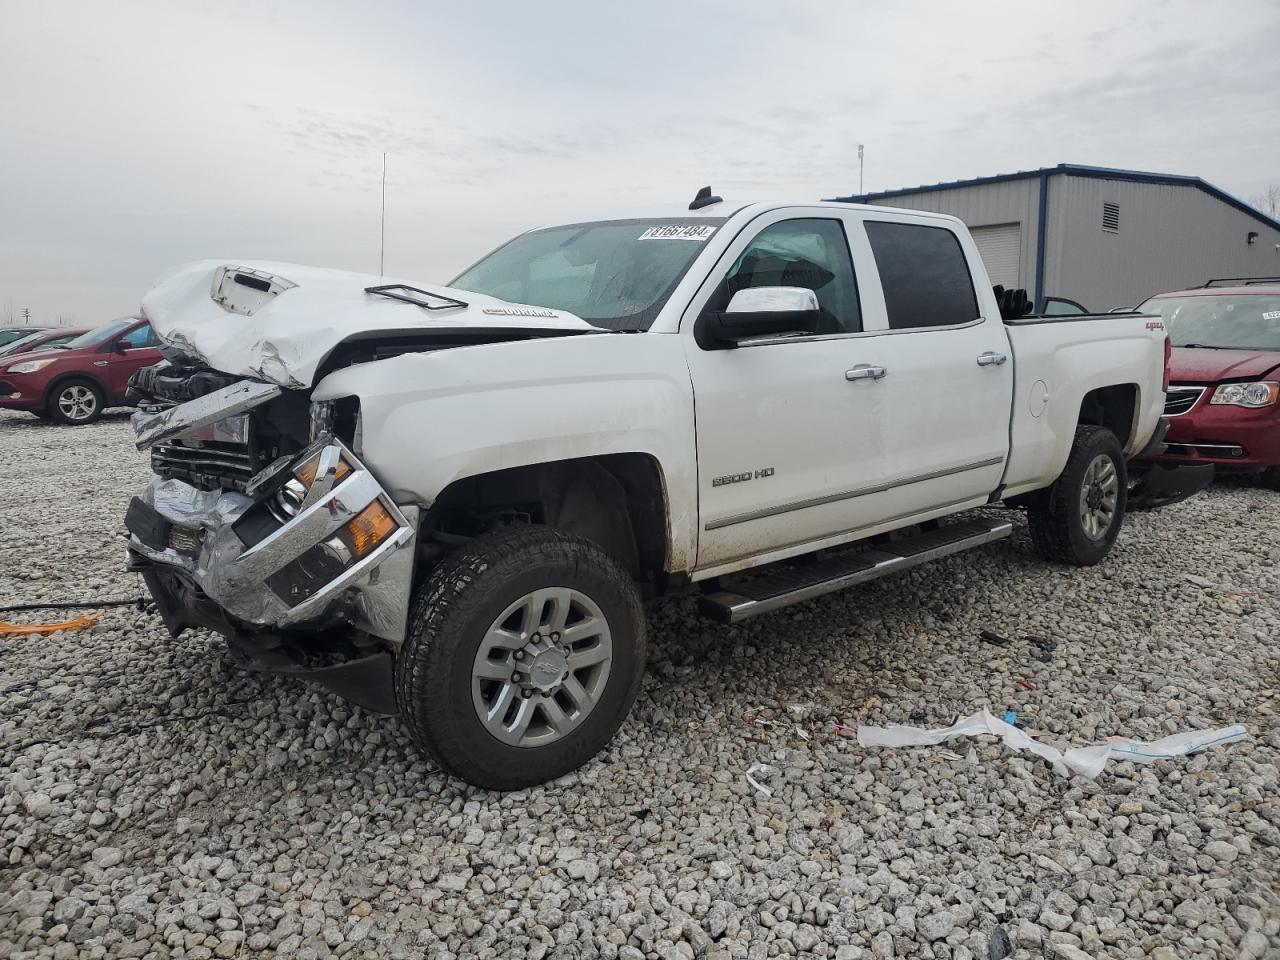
(1178,400)
(206,464)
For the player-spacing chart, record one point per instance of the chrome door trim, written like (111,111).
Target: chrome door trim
(847,495)
(811,338)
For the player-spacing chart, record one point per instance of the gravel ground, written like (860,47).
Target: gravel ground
(156,804)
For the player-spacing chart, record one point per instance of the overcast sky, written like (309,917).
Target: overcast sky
(138,135)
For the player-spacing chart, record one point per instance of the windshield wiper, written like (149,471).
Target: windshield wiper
(1204,346)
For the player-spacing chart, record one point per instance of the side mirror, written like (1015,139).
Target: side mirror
(120,346)
(760,312)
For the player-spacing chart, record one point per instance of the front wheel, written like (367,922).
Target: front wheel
(1076,521)
(75,402)
(524,653)
(1271,478)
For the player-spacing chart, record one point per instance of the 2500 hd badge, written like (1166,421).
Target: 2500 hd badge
(742,477)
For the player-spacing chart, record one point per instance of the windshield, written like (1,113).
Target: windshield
(9,336)
(14,346)
(615,274)
(101,334)
(1231,322)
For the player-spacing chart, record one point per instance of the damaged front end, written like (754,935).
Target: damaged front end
(263,524)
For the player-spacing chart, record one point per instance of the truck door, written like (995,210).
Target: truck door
(785,440)
(947,386)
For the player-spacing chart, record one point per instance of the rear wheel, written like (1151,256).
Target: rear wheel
(524,653)
(75,402)
(1077,520)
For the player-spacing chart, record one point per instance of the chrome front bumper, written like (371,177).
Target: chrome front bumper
(193,532)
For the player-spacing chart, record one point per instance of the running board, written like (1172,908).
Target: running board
(765,592)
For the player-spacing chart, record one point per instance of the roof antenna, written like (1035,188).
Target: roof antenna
(382,245)
(704,198)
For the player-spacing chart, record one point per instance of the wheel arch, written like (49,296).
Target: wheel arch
(616,500)
(1114,407)
(62,378)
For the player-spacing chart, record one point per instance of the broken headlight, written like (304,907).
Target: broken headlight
(292,497)
(310,482)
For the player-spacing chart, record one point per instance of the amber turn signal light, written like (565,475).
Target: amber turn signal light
(306,473)
(371,526)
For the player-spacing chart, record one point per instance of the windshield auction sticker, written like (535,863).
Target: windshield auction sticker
(676,231)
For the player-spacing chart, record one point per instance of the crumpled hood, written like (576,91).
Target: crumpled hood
(279,321)
(1198,365)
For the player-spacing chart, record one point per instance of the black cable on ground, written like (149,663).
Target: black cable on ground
(79,605)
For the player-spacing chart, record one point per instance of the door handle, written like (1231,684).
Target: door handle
(865,371)
(991,359)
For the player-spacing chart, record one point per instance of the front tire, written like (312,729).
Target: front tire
(1077,520)
(1271,478)
(524,653)
(75,402)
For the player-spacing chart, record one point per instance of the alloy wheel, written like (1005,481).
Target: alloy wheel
(541,667)
(1098,496)
(77,402)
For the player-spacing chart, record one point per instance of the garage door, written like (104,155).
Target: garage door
(1001,247)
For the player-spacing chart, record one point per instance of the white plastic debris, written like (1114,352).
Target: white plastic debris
(763,769)
(1085,761)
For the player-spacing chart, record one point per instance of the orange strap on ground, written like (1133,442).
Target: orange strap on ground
(24,629)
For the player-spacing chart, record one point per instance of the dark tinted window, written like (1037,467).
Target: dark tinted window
(800,253)
(924,274)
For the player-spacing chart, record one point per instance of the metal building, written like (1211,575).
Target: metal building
(1102,237)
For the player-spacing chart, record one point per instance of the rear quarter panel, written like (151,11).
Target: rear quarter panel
(1065,360)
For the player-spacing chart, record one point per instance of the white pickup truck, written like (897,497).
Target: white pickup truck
(449,502)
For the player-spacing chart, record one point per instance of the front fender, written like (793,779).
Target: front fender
(430,419)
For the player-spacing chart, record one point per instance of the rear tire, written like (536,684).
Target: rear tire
(75,402)
(524,653)
(1077,520)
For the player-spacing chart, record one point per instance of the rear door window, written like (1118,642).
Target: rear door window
(924,275)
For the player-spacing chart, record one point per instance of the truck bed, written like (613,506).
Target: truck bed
(1058,363)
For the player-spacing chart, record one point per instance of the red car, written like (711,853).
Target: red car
(1224,377)
(75,382)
